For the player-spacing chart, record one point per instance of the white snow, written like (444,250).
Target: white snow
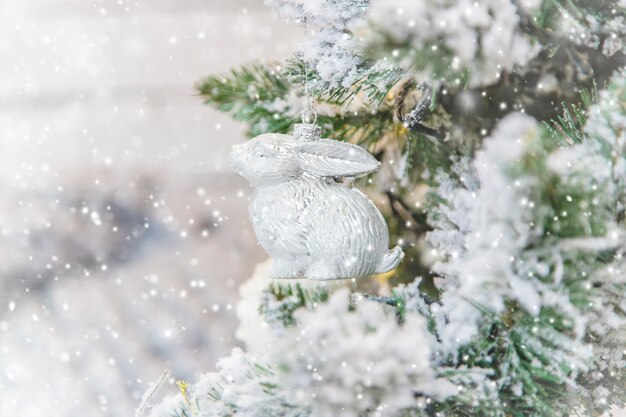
(482,37)
(328,46)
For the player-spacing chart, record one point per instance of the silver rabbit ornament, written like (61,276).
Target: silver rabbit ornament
(312,226)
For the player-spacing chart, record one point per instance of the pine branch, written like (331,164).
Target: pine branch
(280,301)
(243,86)
(374,83)
(250,93)
(567,127)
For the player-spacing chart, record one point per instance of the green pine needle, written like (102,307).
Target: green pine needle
(568,127)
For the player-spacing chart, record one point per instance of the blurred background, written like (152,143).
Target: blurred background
(123,235)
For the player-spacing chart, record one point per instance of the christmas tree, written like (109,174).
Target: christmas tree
(501,129)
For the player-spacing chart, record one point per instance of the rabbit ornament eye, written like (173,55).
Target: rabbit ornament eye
(266,150)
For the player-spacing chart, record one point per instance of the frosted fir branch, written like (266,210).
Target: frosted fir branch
(257,94)
(356,297)
(605,385)
(472,35)
(381,362)
(568,126)
(614,241)
(606,129)
(280,301)
(243,385)
(374,84)
(334,13)
(497,255)
(239,86)
(369,89)
(269,99)
(599,26)
(493,231)
(381,367)
(328,47)
(551,287)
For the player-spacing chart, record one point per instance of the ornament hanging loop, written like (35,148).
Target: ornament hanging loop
(309,117)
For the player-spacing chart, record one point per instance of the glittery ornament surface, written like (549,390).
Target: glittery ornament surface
(312,226)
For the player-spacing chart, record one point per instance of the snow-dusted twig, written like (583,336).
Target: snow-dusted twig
(593,243)
(147,396)
(358,296)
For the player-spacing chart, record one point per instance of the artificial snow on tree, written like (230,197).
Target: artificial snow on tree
(501,127)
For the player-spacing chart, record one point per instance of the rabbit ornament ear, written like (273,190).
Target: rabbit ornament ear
(332,158)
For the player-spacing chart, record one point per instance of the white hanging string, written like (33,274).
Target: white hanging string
(309,116)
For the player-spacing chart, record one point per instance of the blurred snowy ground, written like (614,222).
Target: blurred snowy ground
(123,236)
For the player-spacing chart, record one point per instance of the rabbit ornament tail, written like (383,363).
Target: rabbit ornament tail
(391,260)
